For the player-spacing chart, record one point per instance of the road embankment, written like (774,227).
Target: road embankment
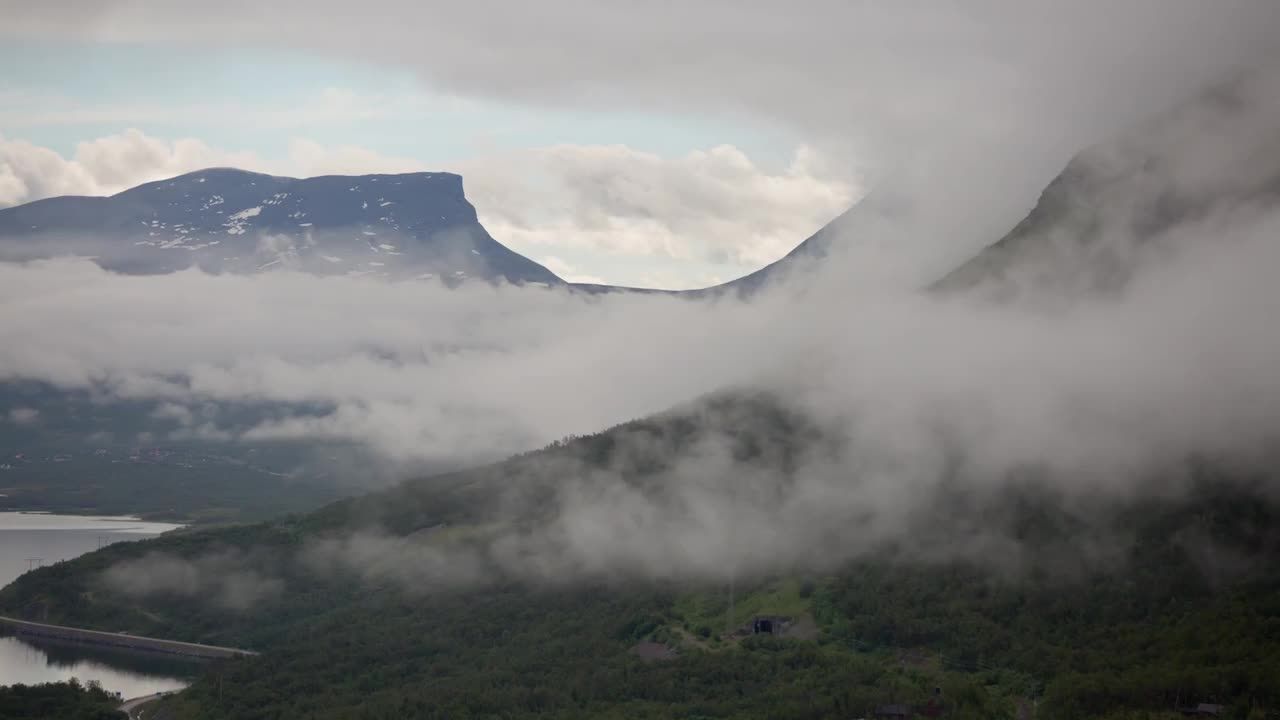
(124,640)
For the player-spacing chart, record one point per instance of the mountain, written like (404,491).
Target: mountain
(1214,155)
(413,225)
(804,258)
(402,226)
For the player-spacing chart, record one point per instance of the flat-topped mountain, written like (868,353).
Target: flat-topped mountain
(412,225)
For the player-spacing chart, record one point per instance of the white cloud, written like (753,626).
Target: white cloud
(415,369)
(113,163)
(714,205)
(1106,396)
(923,397)
(30,172)
(103,166)
(1006,88)
(117,161)
(23,415)
(567,271)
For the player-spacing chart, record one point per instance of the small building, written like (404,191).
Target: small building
(893,711)
(769,624)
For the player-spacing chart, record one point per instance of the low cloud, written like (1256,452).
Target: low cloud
(223,579)
(410,562)
(421,372)
(901,420)
(918,427)
(23,415)
(413,369)
(716,206)
(906,418)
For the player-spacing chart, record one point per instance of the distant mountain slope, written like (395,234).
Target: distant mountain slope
(404,226)
(73,450)
(807,257)
(803,257)
(1217,153)
(413,225)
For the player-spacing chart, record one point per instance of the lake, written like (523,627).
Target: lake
(132,674)
(31,539)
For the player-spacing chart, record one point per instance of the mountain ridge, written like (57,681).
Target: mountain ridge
(129,213)
(1096,221)
(399,226)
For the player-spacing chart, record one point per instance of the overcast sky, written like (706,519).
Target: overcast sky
(657,144)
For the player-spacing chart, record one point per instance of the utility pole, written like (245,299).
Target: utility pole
(33,563)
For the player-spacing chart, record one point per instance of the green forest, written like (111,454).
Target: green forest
(64,701)
(1144,636)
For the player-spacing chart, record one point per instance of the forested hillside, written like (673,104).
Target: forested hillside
(65,701)
(353,624)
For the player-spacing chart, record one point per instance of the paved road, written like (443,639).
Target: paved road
(133,706)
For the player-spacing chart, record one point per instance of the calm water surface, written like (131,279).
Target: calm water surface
(31,539)
(36,660)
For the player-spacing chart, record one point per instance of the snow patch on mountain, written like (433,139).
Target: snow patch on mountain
(225,220)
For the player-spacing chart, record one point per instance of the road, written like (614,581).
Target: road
(137,642)
(134,706)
